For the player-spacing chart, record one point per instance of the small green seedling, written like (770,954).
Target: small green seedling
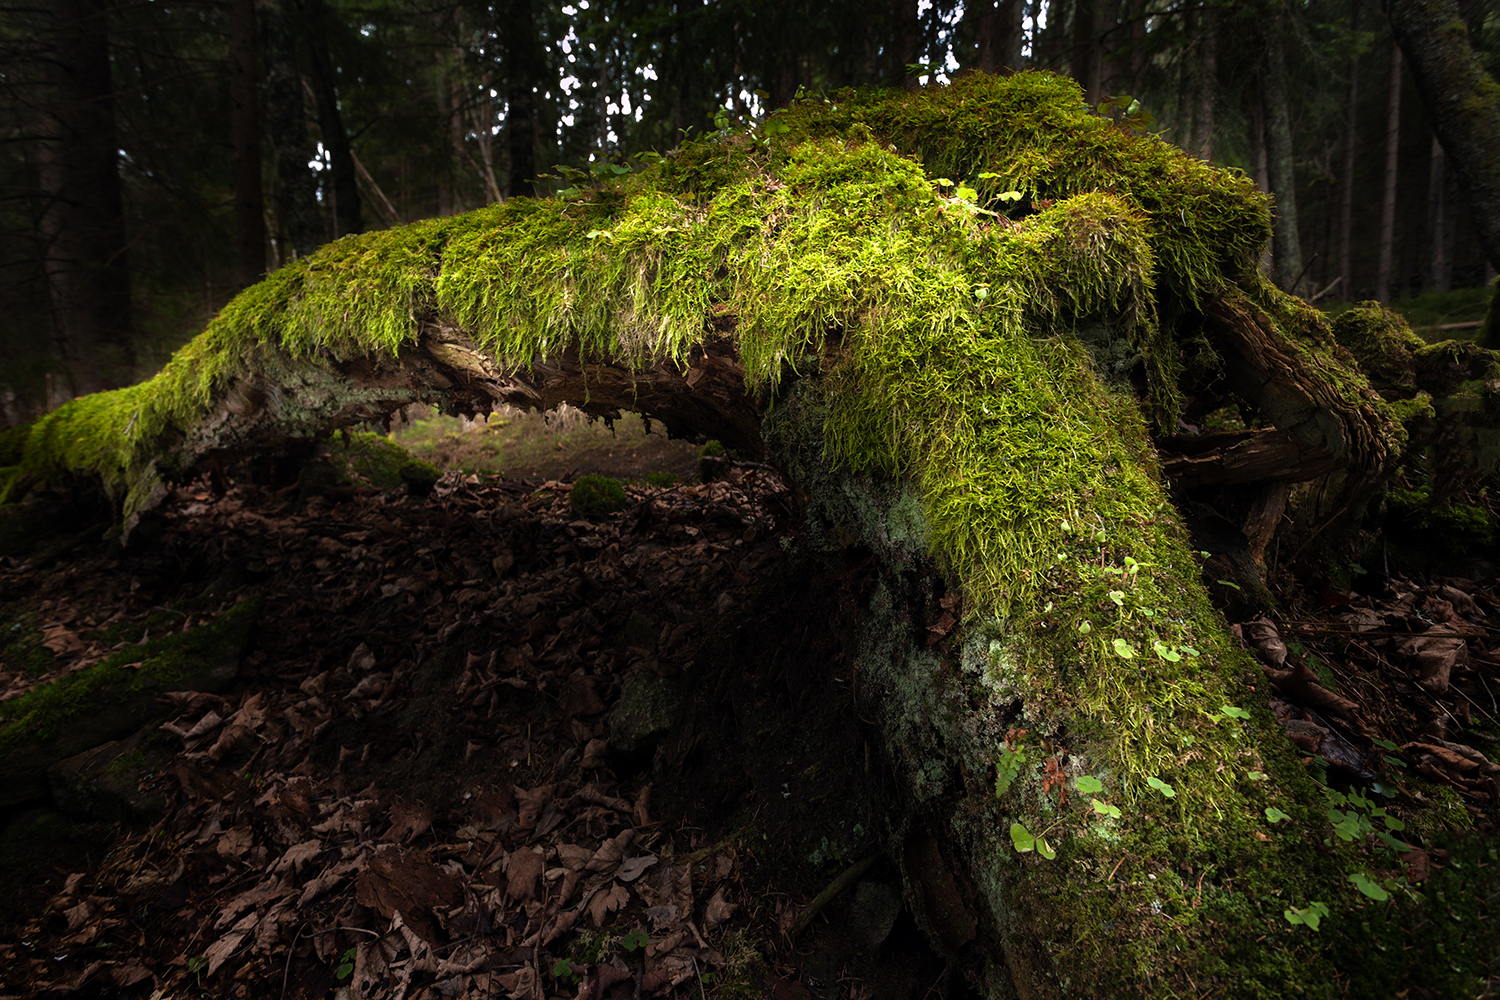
(1311,915)
(1088,784)
(1105,809)
(1275,815)
(635,940)
(1007,768)
(567,971)
(1162,786)
(1123,650)
(345,967)
(1369,887)
(1025,841)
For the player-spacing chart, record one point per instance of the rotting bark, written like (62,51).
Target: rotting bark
(961,398)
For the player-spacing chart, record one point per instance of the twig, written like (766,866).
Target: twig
(286,970)
(838,885)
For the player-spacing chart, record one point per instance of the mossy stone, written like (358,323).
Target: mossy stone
(114,698)
(104,783)
(645,712)
(1383,344)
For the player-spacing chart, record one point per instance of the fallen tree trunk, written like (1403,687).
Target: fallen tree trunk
(962,381)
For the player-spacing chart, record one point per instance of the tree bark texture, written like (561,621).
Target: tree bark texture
(520,124)
(1463,101)
(1386,268)
(249,197)
(344,188)
(1281,159)
(1207,83)
(286,113)
(906,37)
(1346,182)
(82,216)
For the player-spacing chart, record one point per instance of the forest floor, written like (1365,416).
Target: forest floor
(445,767)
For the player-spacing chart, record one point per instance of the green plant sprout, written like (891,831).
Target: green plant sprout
(346,965)
(635,940)
(1162,786)
(1275,815)
(1025,841)
(1369,887)
(1311,915)
(1008,768)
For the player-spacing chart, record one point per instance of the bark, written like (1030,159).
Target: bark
(302,225)
(905,42)
(1281,160)
(1346,185)
(249,198)
(1388,199)
(1462,100)
(1438,273)
(520,123)
(1012,34)
(344,189)
(82,221)
(1207,83)
(1088,52)
(986,17)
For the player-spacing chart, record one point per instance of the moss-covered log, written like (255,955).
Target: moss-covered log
(954,320)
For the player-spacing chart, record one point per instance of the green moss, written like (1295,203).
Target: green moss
(382,463)
(1453,525)
(596,495)
(21,642)
(974,358)
(165,663)
(1383,345)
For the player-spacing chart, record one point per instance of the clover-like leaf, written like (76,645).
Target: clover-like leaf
(1106,809)
(1370,888)
(1162,786)
(1045,849)
(1275,815)
(1088,784)
(1123,650)
(1022,838)
(1118,596)
(1234,712)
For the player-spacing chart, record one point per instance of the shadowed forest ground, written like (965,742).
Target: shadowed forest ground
(447,767)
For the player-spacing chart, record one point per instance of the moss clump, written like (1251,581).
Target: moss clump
(1452,525)
(382,463)
(1383,345)
(21,642)
(203,658)
(593,495)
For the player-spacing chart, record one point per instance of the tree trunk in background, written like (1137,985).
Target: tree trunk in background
(1012,33)
(346,214)
(1438,274)
(1463,102)
(1280,160)
(1087,59)
(1388,200)
(987,58)
(244,126)
(905,42)
(1346,184)
(82,219)
(1208,84)
(484,130)
(445,174)
(520,122)
(1258,154)
(286,116)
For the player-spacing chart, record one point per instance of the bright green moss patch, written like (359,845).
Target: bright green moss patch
(592,495)
(1383,344)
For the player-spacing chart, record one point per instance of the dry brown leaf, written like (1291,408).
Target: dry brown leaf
(522,869)
(606,901)
(235,842)
(408,822)
(718,909)
(297,856)
(220,951)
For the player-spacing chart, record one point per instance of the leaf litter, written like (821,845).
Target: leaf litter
(409,792)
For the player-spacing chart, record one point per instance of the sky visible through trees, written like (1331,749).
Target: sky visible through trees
(245,132)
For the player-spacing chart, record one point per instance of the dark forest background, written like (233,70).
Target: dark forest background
(160,155)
